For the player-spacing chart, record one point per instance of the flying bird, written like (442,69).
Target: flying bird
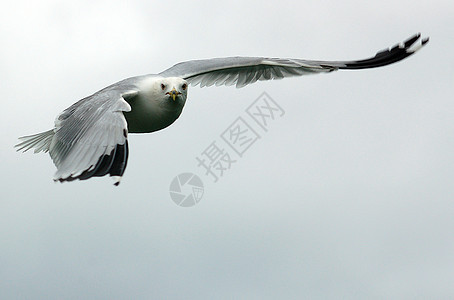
(90,138)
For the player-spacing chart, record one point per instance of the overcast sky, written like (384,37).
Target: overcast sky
(349,194)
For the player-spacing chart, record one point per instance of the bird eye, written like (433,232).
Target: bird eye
(184,86)
(163,86)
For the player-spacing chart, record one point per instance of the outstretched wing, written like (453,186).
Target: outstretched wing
(246,70)
(91,136)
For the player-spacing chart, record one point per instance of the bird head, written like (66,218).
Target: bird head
(173,88)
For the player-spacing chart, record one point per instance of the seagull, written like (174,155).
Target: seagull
(90,138)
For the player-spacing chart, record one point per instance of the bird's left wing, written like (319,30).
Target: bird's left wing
(91,136)
(246,70)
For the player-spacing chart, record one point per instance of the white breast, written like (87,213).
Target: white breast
(152,109)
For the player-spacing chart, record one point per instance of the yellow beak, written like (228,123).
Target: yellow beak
(173,93)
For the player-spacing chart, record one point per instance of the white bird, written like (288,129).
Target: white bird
(90,137)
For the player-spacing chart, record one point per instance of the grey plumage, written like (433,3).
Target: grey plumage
(90,137)
(246,70)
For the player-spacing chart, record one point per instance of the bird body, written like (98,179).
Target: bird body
(144,116)
(90,137)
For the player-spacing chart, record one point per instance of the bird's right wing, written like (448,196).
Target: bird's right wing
(246,70)
(91,136)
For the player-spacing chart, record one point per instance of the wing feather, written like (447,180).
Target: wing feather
(91,136)
(246,70)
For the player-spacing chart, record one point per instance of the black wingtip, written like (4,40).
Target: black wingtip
(113,163)
(425,40)
(388,56)
(412,40)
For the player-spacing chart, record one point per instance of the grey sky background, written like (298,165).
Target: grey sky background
(348,195)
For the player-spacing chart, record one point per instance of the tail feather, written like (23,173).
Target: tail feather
(40,141)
